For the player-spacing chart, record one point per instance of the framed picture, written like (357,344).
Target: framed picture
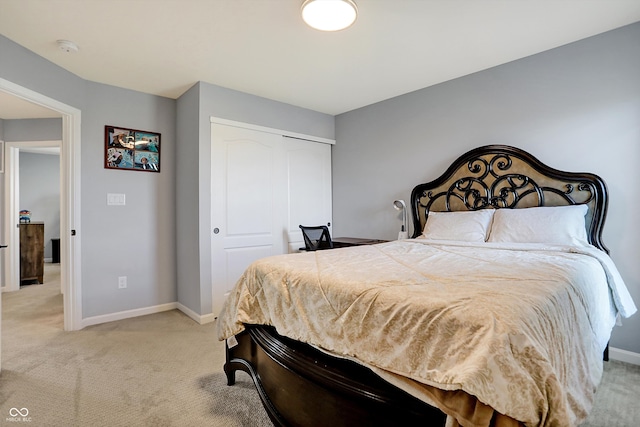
(131,149)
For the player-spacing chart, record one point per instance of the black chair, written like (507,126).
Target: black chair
(316,237)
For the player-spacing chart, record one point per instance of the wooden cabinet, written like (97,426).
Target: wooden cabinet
(32,252)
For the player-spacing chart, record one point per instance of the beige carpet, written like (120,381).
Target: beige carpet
(159,370)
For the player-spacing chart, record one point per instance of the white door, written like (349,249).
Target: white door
(308,187)
(248,204)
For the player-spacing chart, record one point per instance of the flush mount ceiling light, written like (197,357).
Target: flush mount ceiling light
(329,15)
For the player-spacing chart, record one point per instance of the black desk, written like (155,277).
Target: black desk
(343,242)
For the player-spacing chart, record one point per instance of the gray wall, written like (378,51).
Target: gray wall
(140,240)
(40,193)
(187,194)
(136,240)
(24,68)
(194,183)
(576,108)
(33,130)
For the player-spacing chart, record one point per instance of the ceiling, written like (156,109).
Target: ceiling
(12,107)
(262,47)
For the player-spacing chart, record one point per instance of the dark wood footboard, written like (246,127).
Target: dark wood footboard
(301,386)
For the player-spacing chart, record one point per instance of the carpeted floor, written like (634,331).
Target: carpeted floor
(159,370)
(617,396)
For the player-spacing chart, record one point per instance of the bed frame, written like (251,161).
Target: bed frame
(302,386)
(500,176)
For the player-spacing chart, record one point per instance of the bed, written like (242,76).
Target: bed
(497,312)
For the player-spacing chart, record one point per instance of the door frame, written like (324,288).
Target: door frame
(70,244)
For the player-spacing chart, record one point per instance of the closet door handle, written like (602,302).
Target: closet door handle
(3,246)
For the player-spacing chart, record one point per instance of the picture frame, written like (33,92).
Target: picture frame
(131,149)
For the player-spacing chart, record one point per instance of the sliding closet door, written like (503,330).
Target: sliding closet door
(308,187)
(248,203)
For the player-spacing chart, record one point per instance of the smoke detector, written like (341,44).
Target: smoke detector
(67,46)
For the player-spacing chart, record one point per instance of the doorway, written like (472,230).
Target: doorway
(14,202)
(69,201)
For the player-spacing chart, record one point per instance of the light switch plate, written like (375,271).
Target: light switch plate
(115,199)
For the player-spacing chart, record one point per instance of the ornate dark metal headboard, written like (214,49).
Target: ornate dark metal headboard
(500,176)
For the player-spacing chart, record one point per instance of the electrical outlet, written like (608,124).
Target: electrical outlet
(122,282)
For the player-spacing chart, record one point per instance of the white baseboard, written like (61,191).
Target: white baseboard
(201,319)
(624,356)
(96,320)
(208,318)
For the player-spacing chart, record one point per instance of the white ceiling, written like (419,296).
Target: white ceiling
(262,47)
(12,107)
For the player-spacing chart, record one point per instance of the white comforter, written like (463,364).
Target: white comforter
(520,327)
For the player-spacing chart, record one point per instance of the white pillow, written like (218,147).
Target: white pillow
(562,225)
(466,226)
